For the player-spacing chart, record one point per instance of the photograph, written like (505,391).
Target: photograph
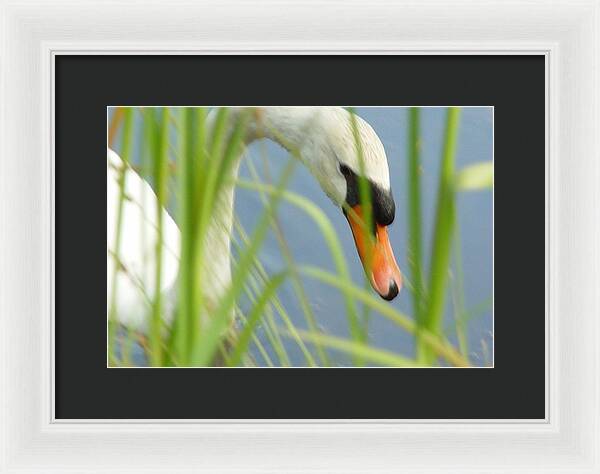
(300,237)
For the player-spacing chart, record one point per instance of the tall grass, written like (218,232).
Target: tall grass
(160,154)
(126,154)
(199,154)
(444,230)
(415,239)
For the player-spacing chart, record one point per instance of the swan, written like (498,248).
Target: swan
(325,139)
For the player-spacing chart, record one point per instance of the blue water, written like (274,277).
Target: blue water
(475,219)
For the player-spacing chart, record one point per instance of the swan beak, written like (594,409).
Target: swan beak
(376,256)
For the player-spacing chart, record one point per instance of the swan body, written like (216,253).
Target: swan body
(137,248)
(324,137)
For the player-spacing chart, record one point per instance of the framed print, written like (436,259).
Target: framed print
(323,251)
(245,247)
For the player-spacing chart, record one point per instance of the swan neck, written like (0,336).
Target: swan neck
(283,125)
(286,126)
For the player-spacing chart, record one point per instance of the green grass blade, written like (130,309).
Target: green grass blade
(415,235)
(197,164)
(127,140)
(185,178)
(358,350)
(444,231)
(161,160)
(254,318)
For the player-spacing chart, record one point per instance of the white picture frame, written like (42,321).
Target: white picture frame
(566,33)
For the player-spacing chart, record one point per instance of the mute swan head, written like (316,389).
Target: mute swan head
(326,141)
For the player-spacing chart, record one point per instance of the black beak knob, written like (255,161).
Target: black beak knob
(392,291)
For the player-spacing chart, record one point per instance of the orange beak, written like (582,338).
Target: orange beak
(376,256)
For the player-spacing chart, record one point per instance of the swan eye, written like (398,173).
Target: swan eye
(345,170)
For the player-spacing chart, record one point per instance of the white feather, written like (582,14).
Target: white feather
(135,283)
